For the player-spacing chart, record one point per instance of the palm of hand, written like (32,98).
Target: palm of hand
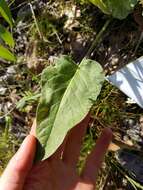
(56,173)
(53,175)
(61,174)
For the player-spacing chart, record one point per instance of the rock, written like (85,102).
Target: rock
(129,122)
(11,70)
(133,130)
(3,91)
(72,13)
(132,162)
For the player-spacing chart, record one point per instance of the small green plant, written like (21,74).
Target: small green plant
(7,143)
(6,39)
(28,98)
(68,93)
(117,8)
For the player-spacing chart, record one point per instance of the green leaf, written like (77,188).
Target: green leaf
(68,92)
(101,5)
(27,99)
(134,183)
(6,36)
(6,54)
(121,8)
(117,8)
(5,12)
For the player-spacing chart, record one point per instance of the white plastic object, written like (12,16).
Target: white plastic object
(129,80)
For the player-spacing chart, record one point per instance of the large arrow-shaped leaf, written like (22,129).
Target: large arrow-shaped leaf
(68,92)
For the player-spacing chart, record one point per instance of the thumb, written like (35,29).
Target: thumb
(14,175)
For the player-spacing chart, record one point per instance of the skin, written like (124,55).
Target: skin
(59,171)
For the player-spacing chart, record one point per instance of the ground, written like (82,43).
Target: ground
(44,30)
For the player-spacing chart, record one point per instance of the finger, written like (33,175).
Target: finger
(33,128)
(19,166)
(96,157)
(74,142)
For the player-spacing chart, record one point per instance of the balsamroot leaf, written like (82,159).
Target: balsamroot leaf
(68,92)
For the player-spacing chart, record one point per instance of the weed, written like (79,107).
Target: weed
(8,144)
(6,37)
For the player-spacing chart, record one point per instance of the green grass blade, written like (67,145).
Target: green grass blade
(6,54)
(6,36)
(5,12)
(134,183)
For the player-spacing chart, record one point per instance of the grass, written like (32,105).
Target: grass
(8,144)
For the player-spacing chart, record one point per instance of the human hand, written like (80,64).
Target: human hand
(56,173)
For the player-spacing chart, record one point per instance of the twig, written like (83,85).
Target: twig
(138,44)
(36,23)
(18,6)
(3,116)
(98,38)
(58,38)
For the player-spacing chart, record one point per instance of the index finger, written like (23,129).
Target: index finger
(33,129)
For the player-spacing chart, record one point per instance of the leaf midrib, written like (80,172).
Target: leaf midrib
(77,70)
